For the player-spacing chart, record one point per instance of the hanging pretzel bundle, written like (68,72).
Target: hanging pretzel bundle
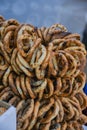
(41,74)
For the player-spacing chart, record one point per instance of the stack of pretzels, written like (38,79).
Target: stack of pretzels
(41,74)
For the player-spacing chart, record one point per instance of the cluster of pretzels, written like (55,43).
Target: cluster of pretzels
(41,74)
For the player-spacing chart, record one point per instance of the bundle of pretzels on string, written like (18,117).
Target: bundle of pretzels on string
(41,74)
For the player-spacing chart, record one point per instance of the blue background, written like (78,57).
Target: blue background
(71,13)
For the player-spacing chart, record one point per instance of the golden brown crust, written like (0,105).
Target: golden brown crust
(41,74)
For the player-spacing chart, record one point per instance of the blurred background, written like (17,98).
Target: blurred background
(71,13)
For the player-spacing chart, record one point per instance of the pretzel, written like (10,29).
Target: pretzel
(81,97)
(29,89)
(66,44)
(1,19)
(6,56)
(60,116)
(19,88)
(39,57)
(3,64)
(5,77)
(73,36)
(13,62)
(59,26)
(41,87)
(51,115)
(67,87)
(12,84)
(47,34)
(25,125)
(3,90)
(41,74)
(25,29)
(75,103)
(14,100)
(43,33)
(28,112)
(77,48)
(50,87)
(25,37)
(44,109)
(7,25)
(8,38)
(71,63)
(35,114)
(57,85)
(81,79)
(23,62)
(11,22)
(19,105)
(79,57)
(49,50)
(23,85)
(58,44)
(6,96)
(27,72)
(60,57)
(52,66)
(68,110)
